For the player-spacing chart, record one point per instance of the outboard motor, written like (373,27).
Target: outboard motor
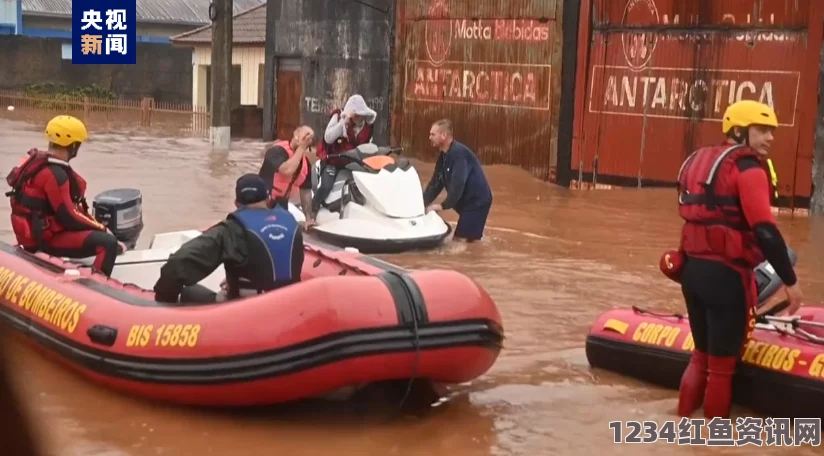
(121,210)
(767,280)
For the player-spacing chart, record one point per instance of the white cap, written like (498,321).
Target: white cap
(71,272)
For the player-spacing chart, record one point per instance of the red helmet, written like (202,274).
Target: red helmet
(671,263)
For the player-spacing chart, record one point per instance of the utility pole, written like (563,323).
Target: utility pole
(220,12)
(270,72)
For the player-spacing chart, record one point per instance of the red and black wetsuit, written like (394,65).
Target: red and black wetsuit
(729,229)
(49,212)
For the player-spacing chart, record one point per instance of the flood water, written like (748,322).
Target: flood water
(553,260)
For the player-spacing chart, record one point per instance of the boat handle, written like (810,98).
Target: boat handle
(102,335)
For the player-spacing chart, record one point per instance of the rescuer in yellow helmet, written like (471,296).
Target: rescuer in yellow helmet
(724,200)
(49,212)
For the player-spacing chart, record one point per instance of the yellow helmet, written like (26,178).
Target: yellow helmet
(65,131)
(748,112)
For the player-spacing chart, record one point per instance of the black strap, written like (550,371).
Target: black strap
(708,198)
(688,198)
(741,226)
(294,179)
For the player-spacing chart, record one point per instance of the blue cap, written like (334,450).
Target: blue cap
(250,189)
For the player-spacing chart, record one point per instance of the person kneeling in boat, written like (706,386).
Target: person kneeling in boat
(261,249)
(49,212)
(724,199)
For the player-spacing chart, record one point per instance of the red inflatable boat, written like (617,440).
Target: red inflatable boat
(781,371)
(353,320)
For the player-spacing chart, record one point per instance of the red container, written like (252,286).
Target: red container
(657,75)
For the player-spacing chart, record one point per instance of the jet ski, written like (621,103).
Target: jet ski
(376,205)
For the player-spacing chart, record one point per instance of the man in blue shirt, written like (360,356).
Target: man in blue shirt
(260,248)
(467,191)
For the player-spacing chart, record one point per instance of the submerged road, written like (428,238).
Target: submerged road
(553,260)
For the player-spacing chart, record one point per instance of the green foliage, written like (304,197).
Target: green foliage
(62,98)
(61,91)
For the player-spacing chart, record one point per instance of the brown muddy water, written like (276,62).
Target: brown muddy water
(553,260)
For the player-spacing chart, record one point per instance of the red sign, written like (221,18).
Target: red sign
(682,93)
(486,84)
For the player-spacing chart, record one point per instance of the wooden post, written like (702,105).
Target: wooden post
(144,111)
(270,73)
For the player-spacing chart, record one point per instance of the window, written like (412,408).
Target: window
(66,50)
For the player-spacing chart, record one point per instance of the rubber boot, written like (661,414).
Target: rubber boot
(693,384)
(718,396)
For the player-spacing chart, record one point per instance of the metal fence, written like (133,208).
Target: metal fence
(146,115)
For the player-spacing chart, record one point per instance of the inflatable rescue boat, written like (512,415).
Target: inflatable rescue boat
(352,320)
(781,372)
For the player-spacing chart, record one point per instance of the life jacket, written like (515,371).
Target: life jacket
(709,203)
(270,237)
(345,143)
(32,217)
(282,185)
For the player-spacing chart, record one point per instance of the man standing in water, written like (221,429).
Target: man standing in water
(724,199)
(460,172)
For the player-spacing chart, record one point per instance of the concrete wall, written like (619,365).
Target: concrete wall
(162,71)
(345,48)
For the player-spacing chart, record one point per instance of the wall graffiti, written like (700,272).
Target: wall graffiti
(328,103)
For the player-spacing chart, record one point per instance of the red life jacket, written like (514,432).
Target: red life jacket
(709,203)
(344,143)
(282,185)
(32,217)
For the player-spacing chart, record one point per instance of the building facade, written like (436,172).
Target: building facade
(35,48)
(320,56)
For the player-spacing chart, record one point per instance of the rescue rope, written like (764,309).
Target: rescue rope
(792,326)
(639,310)
(417,345)
(415,329)
(337,261)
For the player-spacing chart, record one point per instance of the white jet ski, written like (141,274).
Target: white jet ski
(376,205)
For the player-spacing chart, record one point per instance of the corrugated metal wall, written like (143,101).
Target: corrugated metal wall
(661,72)
(491,67)
(345,49)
